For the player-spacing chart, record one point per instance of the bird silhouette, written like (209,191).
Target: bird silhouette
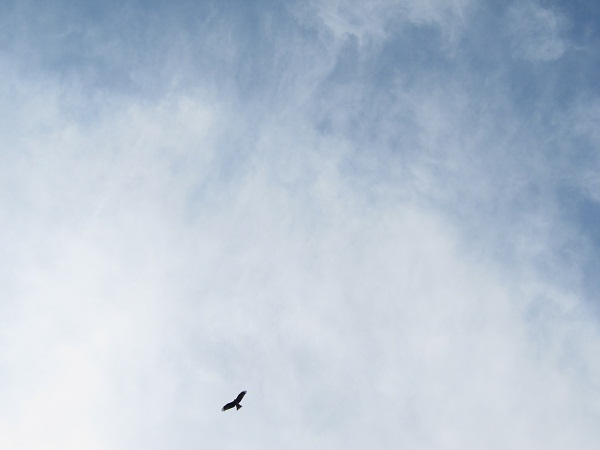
(235,403)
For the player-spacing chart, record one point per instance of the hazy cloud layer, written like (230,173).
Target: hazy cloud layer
(378,218)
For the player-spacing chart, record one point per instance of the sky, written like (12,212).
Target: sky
(381,219)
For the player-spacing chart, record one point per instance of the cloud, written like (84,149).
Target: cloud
(373,23)
(537,32)
(367,237)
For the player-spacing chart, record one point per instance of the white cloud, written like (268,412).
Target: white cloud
(373,22)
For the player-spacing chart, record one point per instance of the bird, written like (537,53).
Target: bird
(235,403)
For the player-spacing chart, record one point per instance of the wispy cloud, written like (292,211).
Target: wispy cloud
(536,32)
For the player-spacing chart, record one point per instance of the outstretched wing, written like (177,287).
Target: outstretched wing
(228,406)
(239,397)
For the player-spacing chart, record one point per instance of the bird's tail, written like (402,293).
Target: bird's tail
(238,407)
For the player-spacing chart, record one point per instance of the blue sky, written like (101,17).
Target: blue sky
(379,218)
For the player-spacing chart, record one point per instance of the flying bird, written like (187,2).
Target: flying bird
(235,403)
